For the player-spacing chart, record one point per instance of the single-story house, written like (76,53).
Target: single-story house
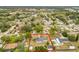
(57,42)
(60,41)
(10,46)
(64,40)
(40,40)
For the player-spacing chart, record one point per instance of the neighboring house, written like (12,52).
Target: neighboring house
(60,41)
(64,40)
(57,42)
(10,46)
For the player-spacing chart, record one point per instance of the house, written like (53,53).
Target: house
(60,41)
(57,42)
(64,40)
(10,46)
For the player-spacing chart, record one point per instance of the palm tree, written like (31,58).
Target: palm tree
(28,36)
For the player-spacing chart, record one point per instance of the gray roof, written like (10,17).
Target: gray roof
(40,39)
(64,39)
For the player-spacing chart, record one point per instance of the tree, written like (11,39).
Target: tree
(20,48)
(65,34)
(26,28)
(47,43)
(40,48)
(38,28)
(62,18)
(28,36)
(77,37)
(4,26)
(77,21)
(5,39)
(19,38)
(12,39)
(53,31)
(2,49)
(72,37)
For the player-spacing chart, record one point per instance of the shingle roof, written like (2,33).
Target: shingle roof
(40,39)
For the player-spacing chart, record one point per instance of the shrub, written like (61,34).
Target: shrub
(40,48)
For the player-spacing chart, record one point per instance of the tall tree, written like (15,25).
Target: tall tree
(28,36)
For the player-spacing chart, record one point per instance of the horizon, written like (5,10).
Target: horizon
(41,7)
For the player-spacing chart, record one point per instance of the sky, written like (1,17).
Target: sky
(39,2)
